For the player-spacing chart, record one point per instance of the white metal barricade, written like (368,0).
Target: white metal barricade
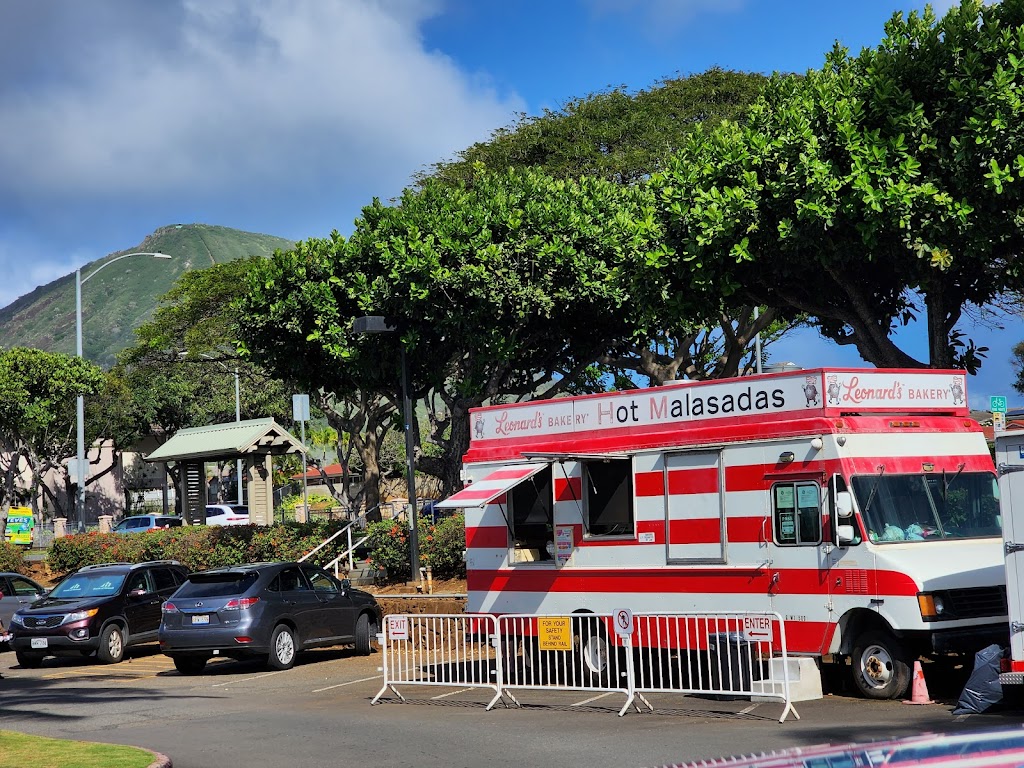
(576,652)
(443,650)
(732,655)
(722,654)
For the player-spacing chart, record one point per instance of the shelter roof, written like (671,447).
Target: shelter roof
(228,441)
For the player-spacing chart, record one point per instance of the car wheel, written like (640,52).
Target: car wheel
(880,669)
(189,665)
(282,648)
(363,635)
(111,649)
(29,660)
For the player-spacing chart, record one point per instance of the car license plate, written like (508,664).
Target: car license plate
(203,618)
(40,642)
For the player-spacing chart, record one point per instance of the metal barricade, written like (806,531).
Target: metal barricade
(575,652)
(729,655)
(442,650)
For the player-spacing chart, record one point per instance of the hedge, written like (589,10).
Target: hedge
(201,547)
(12,557)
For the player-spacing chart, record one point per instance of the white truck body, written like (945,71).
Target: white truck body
(858,504)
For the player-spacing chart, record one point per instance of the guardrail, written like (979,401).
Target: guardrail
(729,655)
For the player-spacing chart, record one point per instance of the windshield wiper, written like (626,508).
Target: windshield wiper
(946,483)
(874,489)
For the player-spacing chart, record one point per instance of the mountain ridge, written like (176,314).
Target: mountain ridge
(121,298)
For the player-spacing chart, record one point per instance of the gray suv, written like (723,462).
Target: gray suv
(269,611)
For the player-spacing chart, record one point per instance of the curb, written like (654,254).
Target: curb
(160,761)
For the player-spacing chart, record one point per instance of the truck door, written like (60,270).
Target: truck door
(796,589)
(1010,465)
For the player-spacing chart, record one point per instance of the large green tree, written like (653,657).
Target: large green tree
(881,187)
(501,288)
(624,137)
(38,391)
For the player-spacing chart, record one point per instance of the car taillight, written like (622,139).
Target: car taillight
(169,607)
(246,602)
(243,639)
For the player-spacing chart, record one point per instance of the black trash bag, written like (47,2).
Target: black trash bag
(983,689)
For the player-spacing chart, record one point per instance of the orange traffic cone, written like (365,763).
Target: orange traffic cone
(919,693)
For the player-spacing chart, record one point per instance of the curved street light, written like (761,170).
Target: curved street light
(80,493)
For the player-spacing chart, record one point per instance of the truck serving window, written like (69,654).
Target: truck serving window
(609,497)
(531,518)
(797,511)
(927,506)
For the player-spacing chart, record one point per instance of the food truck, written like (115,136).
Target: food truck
(859,505)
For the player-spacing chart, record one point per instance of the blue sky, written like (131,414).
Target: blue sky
(287,116)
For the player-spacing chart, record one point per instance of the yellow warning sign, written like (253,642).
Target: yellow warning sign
(554,633)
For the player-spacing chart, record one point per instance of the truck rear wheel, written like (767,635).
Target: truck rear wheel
(880,669)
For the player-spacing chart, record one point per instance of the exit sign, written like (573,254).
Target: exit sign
(997,404)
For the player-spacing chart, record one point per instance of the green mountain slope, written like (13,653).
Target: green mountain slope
(123,296)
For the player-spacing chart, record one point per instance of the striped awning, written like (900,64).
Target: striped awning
(500,481)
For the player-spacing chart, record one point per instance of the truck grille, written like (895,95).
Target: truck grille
(976,603)
(43,621)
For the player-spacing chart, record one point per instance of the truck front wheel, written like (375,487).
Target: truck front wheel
(880,669)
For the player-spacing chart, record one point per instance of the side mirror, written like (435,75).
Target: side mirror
(346,585)
(844,504)
(845,535)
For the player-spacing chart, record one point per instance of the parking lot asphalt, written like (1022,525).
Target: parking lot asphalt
(319,713)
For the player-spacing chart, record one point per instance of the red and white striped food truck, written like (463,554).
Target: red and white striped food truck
(860,505)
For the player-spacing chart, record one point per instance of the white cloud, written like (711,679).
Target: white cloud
(230,96)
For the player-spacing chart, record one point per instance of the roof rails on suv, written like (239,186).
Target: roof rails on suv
(130,565)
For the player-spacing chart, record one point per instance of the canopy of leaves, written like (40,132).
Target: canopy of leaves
(880,181)
(614,135)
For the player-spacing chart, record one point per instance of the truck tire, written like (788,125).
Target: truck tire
(600,660)
(880,669)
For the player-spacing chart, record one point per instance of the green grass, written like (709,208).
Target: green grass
(19,750)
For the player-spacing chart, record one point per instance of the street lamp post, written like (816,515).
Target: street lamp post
(80,459)
(378,324)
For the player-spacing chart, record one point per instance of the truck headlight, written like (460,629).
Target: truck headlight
(932,605)
(16,619)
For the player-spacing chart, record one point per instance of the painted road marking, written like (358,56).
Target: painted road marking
(593,698)
(350,682)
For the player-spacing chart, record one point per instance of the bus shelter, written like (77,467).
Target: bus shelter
(255,442)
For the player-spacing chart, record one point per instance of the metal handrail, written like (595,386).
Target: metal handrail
(347,553)
(325,542)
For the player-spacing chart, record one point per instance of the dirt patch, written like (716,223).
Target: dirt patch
(406,598)
(39,571)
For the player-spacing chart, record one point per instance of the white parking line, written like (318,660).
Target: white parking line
(450,693)
(595,698)
(749,709)
(350,682)
(246,679)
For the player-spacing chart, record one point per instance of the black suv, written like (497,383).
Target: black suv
(100,608)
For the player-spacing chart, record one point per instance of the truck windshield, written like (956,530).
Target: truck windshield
(928,506)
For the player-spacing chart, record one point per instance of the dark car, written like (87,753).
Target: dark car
(100,608)
(264,610)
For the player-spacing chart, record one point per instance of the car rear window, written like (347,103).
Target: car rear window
(170,522)
(216,584)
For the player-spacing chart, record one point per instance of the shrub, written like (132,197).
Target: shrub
(198,547)
(12,557)
(445,544)
(441,547)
